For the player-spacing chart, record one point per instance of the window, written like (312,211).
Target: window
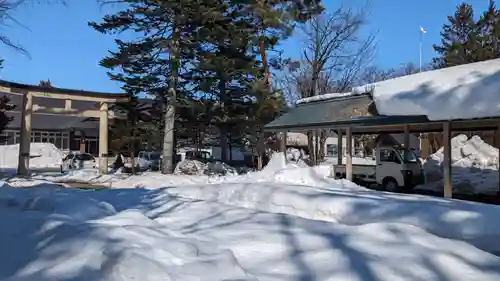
(65,141)
(10,137)
(38,137)
(331,150)
(84,157)
(58,142)
(45,137)
(389,155)
(3,138)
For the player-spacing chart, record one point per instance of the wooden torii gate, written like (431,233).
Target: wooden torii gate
(29,107)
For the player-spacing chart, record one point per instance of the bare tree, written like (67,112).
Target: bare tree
(6,18)
(333,59)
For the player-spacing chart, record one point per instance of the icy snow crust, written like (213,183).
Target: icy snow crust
(285,222)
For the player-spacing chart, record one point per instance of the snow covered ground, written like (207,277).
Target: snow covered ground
(288,224)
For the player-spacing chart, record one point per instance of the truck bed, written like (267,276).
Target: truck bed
(362,172)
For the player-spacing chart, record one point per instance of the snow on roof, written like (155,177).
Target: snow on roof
(461,92)
(323,97)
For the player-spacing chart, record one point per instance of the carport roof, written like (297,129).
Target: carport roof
(355,110)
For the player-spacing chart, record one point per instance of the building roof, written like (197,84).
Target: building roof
(51,122)
(356,110)
(468,91)
(60,90)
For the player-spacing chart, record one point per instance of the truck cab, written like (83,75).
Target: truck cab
(397,167)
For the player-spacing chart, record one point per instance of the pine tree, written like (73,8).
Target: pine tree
(4,107)
(129,133)
(459,39)
(154,62)
(207,47)
(488,41)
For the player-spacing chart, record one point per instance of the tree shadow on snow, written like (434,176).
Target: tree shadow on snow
(36,244)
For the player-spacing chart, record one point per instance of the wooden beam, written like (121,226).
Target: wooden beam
(406,140)
(497,144)
(37,109)
(62,96)
(448,188)
(339,147)
(348,157)
(25,134)
(103,139)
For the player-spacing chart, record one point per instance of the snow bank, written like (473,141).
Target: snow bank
(346,203)
(474,167)
(460,92)
(67,235)
(43,155)
(281,247)
(92,176)
(117,235)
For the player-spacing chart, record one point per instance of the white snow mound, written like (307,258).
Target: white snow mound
(42,155)
(474,167)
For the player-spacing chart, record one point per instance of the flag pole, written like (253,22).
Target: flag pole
(422,31)
(420,48)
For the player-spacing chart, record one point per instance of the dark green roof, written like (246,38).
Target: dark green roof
(337,112)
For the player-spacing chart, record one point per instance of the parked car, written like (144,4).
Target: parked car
(78,160)
(149,160)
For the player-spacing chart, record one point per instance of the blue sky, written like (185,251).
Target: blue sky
(65,50)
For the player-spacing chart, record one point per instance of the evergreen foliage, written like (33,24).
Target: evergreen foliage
(4,107)
(187,51)
(466,40)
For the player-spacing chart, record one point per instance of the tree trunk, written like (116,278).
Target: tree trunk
(223,127)
(322,140)
(131,149)
(310,145)
(316,147)
(169,134)
(223,143)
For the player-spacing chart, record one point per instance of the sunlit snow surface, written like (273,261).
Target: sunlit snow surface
(460,92)
(283,223)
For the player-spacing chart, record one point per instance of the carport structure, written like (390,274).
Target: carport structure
(357,113)
(33,100)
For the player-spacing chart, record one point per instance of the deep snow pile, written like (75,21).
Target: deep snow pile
(474,167)
(195,167)
(190,167)
(138,234)
(42,155)
(460,92)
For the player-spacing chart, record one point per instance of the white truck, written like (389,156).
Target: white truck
(397,168)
